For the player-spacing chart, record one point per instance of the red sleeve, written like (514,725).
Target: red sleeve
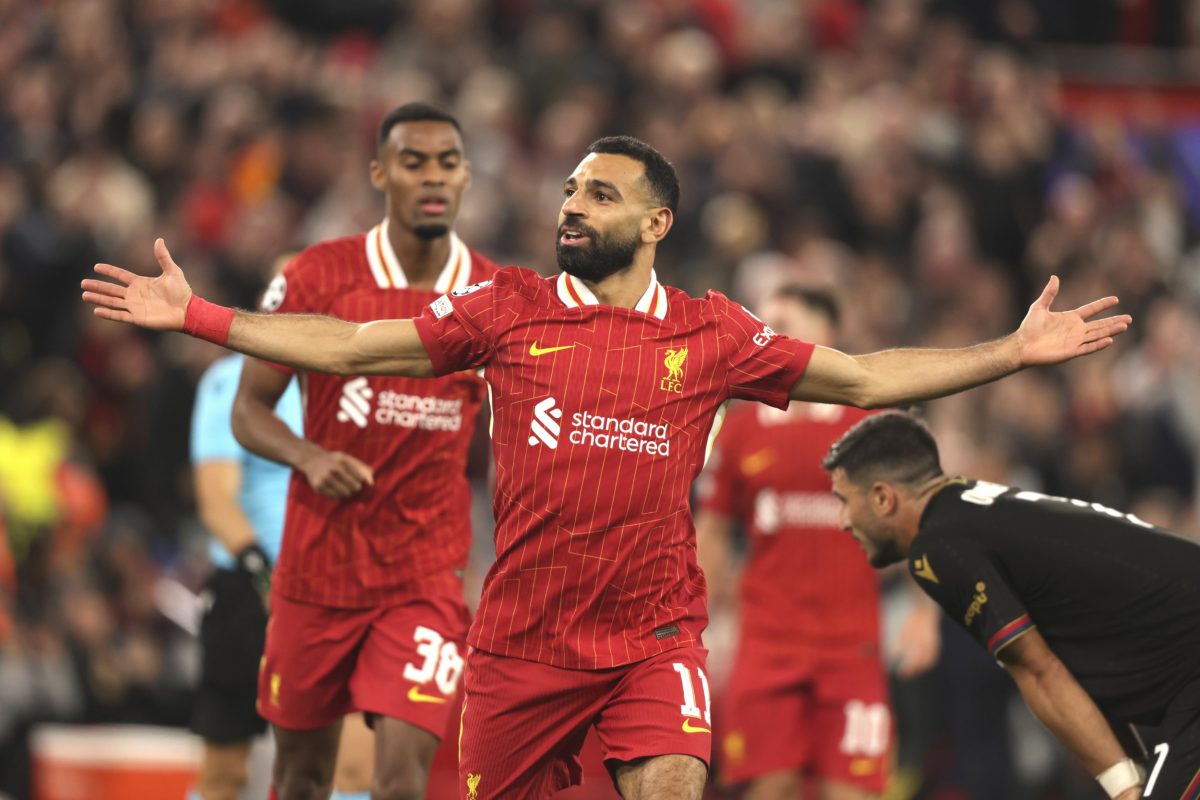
(763,365)
(716,488)
(458,329)
(290,292)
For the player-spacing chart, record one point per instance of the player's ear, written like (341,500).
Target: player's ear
(378,176)
(656,225)
(883,498)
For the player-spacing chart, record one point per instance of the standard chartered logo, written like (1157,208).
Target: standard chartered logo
(594,430)
(545,425)
(774,510)
(355,403)
(397,409)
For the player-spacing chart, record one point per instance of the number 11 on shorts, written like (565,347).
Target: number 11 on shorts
(689,707)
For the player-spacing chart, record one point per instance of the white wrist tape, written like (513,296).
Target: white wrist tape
(1120,777)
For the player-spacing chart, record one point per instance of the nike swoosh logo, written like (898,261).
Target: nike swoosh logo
(688,727)
(534,350)
(414,694)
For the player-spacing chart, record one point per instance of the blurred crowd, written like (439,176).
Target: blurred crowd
(917,158)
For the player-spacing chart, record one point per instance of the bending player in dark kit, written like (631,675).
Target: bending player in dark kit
(605,387)
(1093,612)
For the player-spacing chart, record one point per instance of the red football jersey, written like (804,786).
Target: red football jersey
(807,587)
(601,419)
(407,534)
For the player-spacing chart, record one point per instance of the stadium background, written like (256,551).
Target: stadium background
(935,161)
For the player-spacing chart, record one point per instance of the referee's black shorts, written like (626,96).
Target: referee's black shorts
(1173,762)
(232,633)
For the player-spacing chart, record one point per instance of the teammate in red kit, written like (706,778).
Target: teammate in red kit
(605,389)
(808,690)
(367,610)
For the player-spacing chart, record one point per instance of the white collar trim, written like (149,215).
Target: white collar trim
(389,274)
(574,293)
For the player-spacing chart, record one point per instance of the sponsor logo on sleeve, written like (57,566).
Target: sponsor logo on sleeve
(764,336)
(466,290)
(276,291)
(923,569)
(977,603)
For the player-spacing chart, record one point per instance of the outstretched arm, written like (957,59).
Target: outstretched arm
(908,375)
(1059,702)
(309,342)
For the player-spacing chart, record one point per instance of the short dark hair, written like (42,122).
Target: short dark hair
(816,298)
(415,112)
(893,446)
(664,183)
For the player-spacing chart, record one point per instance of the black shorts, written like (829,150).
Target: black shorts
(1173,761)
(232,633)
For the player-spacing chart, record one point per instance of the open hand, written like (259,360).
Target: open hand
(157,303)
(1048,337)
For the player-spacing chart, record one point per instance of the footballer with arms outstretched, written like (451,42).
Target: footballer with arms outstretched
(605,388)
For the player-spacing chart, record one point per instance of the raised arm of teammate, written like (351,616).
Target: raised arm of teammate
(303,341)
(908,375)
(1060,703)
(260,430)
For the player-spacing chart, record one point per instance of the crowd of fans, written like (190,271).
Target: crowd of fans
(919,161)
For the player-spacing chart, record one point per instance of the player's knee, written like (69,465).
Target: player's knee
(298,787)
(221,788)
(673,777)
(353,776)
(301,781)
(774,786)
(400,784)
(222,777)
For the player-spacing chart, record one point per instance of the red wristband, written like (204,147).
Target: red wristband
(207,321)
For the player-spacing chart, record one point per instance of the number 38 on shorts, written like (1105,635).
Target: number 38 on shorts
(437,661)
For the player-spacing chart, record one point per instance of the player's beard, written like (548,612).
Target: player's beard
(435,230)
(600,257)
(884,554)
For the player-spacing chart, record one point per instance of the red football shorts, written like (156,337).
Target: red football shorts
(831,720)
(401,661)
(523,723)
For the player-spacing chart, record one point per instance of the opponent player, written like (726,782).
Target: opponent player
(1092,611)
(808,690)
(605,387)
(240,498)
(367,611)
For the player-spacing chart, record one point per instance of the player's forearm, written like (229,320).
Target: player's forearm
(908,375)
(712,553)
(227,522)
(324,344)
(260,430)
(1059,702)
(302,341)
